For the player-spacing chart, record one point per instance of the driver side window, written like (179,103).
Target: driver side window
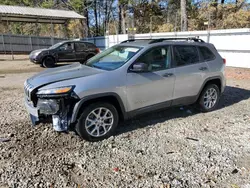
(67,47)
(157,58)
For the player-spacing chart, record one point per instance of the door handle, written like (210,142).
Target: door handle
(203,68)
(167,74)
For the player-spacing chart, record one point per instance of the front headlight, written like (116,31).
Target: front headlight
(55,91)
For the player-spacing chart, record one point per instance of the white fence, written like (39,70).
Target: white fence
(107,41)
(24,43)
(232,44)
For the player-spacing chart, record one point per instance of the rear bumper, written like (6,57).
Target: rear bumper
(223,85)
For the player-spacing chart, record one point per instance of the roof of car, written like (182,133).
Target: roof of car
(147,42)
(77,41)
(65,41)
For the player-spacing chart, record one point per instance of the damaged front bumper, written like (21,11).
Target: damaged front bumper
(33,112)
(55,108)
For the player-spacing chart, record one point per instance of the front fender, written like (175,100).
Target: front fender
(84,100)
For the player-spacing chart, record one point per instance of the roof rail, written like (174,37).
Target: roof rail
(132,40)
(165,39)
(186,39)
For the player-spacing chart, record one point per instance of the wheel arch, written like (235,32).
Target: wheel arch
(112,98)
(49,55)
(90,55)
(213,80)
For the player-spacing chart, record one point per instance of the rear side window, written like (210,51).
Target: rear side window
(185,55)
(90,45)
(206,54)
(79,46)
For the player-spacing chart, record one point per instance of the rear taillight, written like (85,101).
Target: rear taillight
(224,60)
(97,50)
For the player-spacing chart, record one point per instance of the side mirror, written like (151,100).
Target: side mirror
(139,67)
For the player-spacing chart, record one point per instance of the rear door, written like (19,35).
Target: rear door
(81,51)
(190,73)
(92,49)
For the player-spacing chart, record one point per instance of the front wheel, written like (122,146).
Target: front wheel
(97,122)
(209,98)
(49,62)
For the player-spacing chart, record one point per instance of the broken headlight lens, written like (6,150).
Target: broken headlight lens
(54,91)
(48,106)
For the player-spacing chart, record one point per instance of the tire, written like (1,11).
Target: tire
(207,102)
(89,125)
(89,56)
(49,62)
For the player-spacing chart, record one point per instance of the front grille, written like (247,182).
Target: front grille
(27,90)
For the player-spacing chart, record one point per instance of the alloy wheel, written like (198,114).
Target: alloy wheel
(210,98)
(99,122)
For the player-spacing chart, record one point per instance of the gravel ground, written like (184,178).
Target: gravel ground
(178,147)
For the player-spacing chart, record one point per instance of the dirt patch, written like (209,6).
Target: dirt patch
(21,66)
(238,73)
(8,57)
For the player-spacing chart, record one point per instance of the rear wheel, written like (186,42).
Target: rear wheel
(88,57)
(97,122)
(49,62)
(209,98)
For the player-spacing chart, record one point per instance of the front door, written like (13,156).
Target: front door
(190,74)
(154,87)
(80,50)
(66,52)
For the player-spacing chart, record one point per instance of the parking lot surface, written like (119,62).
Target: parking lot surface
(180,146)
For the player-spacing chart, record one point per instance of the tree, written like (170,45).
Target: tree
(184,15)
(122,4)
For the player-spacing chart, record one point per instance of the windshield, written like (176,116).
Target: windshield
(113,57)
(56,45)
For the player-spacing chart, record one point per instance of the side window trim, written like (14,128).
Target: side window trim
(199,54)
(154,47)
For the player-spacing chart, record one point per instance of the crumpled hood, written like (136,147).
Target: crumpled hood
(53,75)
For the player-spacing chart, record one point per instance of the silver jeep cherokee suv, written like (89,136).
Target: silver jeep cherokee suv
(126,80)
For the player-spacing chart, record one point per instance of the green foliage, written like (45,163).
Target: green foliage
(167,27)
(47,4)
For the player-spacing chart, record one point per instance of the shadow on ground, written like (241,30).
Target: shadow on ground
(231,96)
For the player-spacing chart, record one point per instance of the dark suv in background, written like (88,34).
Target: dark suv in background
(67,51)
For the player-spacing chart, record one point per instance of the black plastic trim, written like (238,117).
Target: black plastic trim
(184,101)
(206,81)
(150,108)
